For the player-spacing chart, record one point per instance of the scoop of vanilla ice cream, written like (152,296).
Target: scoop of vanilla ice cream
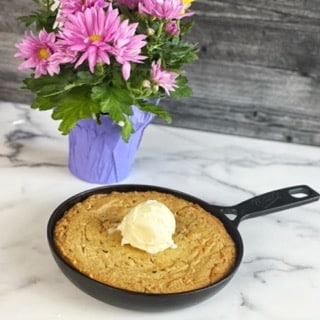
(149,226)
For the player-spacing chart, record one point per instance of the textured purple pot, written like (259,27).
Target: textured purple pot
(97,153)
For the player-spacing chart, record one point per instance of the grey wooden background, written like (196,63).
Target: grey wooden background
(258,74)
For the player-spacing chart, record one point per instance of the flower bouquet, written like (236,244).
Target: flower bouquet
(91,58)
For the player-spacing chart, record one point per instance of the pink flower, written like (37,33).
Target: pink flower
(72,6)
(39,53)
(127,46)
(172,28)
(131,4)
(163,78)
(89,34)
(63,54)
(163,9)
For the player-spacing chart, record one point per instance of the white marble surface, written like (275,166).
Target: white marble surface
(279,277)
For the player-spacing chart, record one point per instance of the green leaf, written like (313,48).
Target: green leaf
(175,55)
(73,107)
(155,109)
(126,130)
(43,103)
(88,78)
(185,26)
(183,89)
(68,79)
(116,100)
(42,18)
(47,85)
(29,20)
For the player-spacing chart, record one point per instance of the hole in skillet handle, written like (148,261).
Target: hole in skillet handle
(298,192)
(270,202)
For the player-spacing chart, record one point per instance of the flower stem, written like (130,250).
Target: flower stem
(160,29)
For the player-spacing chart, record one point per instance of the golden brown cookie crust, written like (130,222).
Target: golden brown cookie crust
(205,252)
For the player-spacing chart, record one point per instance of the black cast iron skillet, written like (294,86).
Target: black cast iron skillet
(264,204)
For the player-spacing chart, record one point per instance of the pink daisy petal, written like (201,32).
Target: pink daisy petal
(164,9)
(127,46)
(70,7)
(39,53)
(88,34)
(163,78)
(126,69)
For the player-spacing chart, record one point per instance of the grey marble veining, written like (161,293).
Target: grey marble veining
(278,279)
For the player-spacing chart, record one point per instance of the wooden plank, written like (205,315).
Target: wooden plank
(250,101)
(257,76)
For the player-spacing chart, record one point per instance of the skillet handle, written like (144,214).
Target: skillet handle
(270,202)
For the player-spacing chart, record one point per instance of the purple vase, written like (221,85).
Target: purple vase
(97,153)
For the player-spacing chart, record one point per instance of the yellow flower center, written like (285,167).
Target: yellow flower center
(187,3)
(43,53)
(95,37)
